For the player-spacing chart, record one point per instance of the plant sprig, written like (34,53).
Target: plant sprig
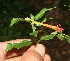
(33,20)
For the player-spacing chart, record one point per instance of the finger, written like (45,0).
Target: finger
(13,52)
(34,53)
(14,59)
(47,58)
(40,49)
(1,55)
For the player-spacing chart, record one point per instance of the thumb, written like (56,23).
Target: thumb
(34,53)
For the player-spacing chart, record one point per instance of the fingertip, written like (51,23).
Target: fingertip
(47,58)
(40,49)
(31,55)
(32,48)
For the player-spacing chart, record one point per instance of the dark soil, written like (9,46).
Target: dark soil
(58,50)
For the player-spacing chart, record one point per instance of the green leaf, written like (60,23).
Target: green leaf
(18,45)
(34,33)
(44,20)
(48,37)
(40,14)
(68,41)
(60,36)
(54,33)
(9,46)
(38,23)
(13,21)
(31,16)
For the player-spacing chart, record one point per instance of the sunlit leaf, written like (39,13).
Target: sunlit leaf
(54,33)
(34,33)
(9,46)
(18,45)
(48,37)
(38,24)
(44,20)
(31,16)
(61,37)
(68,41)
(13,21)
(40,14)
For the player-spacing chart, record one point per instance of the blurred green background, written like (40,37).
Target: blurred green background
(23,8)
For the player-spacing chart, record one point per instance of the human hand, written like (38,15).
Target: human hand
(34,53)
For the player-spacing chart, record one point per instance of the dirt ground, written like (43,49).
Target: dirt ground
(58,50)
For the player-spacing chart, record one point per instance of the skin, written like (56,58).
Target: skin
(32,53)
